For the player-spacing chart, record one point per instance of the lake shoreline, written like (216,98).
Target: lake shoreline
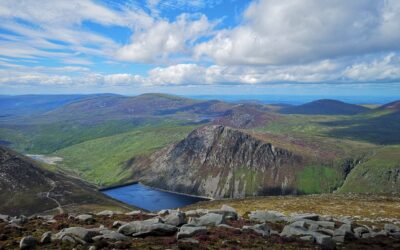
(149,198)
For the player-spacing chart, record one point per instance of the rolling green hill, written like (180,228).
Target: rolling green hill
(103,161)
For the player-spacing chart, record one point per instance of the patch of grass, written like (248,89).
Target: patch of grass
(249,180)
(103,161)
(318,179)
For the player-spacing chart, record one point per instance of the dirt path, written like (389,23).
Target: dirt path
(59,207)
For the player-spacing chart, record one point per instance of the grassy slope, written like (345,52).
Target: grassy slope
(101,161)
(379,174)
(371,176)
(47,138)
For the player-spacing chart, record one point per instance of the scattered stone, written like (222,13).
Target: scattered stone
(141,228)
(307,238)
(379,233)
(27,242)
(189,231)
(210,219)
(106,213)
(4,217)
(267,216)
(163,212)
(227,226)
(110,235)
(79,232)
(314,225)
(343,229)
(323,239)
(290,230)
(68,238)
(391,228)
(261,229)
(134,212)
(175,219)
(85,218)
(46,238)
(326,231)
(296,217)
(118,223)
(345,220)
(196,213)
(228,212)
(359,231)
(92,248)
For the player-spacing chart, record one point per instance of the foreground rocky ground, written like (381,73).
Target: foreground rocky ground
(221,228)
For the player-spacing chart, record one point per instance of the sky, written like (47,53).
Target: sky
(201,47)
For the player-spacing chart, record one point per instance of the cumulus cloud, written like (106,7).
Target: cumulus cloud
(384,69)
(163,38)
(286,32)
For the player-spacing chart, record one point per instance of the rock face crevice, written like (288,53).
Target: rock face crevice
(219,161)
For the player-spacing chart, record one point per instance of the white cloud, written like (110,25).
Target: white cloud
(286,32)
(162,38)
(177,74)
(385,69)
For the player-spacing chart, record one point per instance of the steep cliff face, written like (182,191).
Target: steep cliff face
(219,161)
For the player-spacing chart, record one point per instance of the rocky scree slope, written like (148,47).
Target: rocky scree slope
(219,161)
(27,188)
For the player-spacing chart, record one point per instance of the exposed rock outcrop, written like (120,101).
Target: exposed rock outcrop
(219,161)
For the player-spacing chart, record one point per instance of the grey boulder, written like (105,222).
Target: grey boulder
(85,218)
(391,228)
(188,231)
(359,231)
(267,216)
(210,219)
(27,242)
(175,219)
(261,229)
(46,238)
(77,232)
(110,235)
(143,228)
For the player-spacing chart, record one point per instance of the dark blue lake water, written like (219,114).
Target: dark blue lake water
(150,199)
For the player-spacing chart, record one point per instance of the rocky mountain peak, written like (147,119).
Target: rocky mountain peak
(220,161)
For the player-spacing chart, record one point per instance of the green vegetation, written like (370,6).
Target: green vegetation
(379,174)
(318,179)
(249,180)
(47,138)
(103,161)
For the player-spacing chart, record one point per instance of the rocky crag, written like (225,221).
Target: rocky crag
(219,161)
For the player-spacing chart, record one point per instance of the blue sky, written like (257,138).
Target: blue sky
(307,47)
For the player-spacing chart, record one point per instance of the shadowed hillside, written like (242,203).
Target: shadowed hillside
(27,188)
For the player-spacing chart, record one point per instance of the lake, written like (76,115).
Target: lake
(150,199)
